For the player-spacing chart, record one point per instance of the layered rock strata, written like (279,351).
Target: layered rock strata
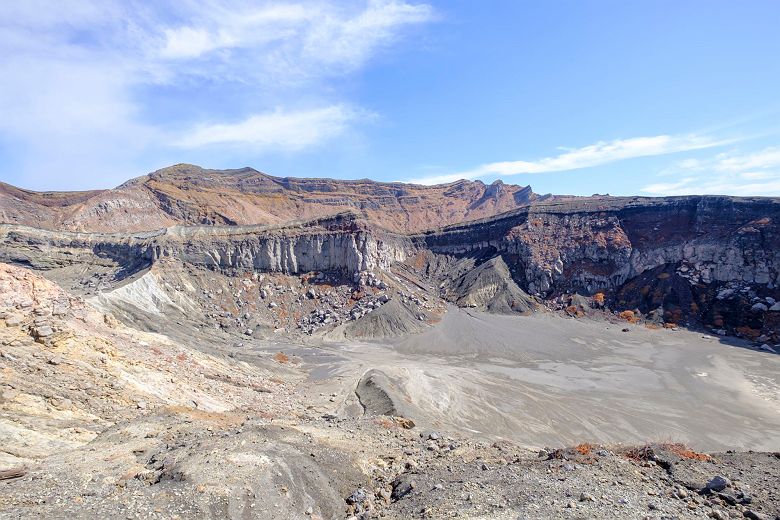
(703,258)
(597,244)
(341,243)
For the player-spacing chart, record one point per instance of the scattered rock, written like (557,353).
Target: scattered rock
(404,422)
(759,307)
(359,496)
(718,514)
(717,483)
(12,473)
(402,486)
(13,320)
(43,331)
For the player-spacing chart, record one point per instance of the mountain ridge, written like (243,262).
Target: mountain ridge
(186,194)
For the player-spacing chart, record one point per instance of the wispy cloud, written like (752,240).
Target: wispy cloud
(277,130)
(81,78)
(288,43)
(731,173)
(602,152)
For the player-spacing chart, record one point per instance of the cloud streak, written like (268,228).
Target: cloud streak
(597,154)
(279,130)
(729,173)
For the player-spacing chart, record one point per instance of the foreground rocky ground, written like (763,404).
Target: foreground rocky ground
(102,420)
(183,464)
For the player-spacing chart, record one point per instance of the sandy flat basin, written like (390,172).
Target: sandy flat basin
(548,380)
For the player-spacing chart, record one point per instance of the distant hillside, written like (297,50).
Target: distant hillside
(187,194)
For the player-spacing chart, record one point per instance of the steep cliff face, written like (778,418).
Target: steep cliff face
(598,244)
(342,243)
(714,258)
(189,195)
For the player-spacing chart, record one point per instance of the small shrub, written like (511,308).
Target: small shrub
(681,450)
(281,357)
(629,316)
(584,448)
(648,451)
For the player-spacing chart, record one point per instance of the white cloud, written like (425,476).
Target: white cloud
(188,42)
(278,130)
(288,43)
(348,42)
(209,28)
(767,158)
(602,152)
(718,186)
(266,41)
(731,173)
(78,76)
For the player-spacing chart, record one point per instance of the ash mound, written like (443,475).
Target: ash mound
(394,318)
(487,286)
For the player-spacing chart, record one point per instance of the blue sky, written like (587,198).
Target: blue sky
(578,97)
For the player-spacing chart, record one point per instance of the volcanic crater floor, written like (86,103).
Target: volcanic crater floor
(468,418)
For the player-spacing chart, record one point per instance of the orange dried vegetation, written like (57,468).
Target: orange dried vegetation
(585,448)
(644,453)
(281,357)
(681,450)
